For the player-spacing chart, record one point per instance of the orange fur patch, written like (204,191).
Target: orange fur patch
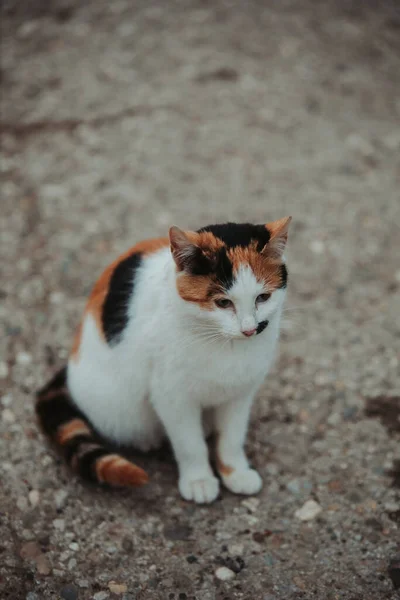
(200,289)
(77,342)
(116,470)
(72,429)
(99,292)
(205,240)
(223,469)
(265,269)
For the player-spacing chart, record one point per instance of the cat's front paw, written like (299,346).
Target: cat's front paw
(243,481)
(201,490)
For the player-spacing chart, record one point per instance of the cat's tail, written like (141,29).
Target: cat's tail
(70,431)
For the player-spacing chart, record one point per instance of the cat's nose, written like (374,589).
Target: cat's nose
(249,332)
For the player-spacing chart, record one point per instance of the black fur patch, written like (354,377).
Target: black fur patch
(73,445)
(218,265)
(115,308)
(55,412)
(261,326)
(224,269)
(284,276)
(198,263)
(239,234)
(87,462)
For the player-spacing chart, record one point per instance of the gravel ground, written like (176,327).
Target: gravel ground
(121,118)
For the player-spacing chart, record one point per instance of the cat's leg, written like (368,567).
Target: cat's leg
(231,420)
(183,425)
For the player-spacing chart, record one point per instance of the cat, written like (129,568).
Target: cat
(176,339)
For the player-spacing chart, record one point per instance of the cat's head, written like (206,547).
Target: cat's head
(232,275)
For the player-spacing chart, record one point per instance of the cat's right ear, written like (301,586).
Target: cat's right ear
(183,250)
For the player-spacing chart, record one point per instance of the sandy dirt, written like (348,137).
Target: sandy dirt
(122,118)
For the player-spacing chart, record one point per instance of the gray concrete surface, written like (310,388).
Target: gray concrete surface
(121,118)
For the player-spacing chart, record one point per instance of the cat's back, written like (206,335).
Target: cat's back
(127,290)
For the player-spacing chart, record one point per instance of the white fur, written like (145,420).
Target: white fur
(175,360)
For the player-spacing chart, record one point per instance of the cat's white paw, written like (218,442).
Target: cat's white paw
(244,481)
(201,490)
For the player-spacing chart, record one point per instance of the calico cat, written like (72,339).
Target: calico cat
(177,337)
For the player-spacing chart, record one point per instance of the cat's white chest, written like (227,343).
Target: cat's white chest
(223,377)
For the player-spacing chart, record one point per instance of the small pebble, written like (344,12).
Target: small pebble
(7,416)
(31,596)
(60,498)
(83,583)
(224,574)
(308,511)
(101,596)
(73,546)
(28,535)
(59,524)
(235,549)
(43,565)
(72,564)
(69,592)
(6,400)
(251,504)
(117,588)
(24,358)
(34,498)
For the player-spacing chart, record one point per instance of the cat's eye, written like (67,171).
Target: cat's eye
(224,303)
(262,298)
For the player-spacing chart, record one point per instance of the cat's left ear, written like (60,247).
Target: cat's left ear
(187,256)
(278,231)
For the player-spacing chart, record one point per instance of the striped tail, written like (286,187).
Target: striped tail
(70,431)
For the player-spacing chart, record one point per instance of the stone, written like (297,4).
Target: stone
(7,416)
(60,498)
(24,358)
(235,549)
(117,588)
(59,524)
(251,504)
(34,498)
(224,574)
(72,564)
(6,400)
(43,565)
(69,592)
(308,511)
(30,551)
(73,546)
(101,596)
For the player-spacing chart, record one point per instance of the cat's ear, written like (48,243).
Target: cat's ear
(187,256)
(278,231)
